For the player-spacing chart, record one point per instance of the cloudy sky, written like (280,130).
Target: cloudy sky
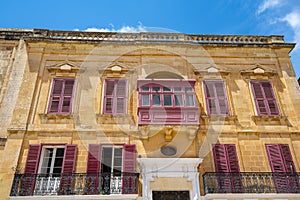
(245,17)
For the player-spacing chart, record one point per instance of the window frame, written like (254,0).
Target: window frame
(264,99)
(114,97)
(61,97)
(216,98)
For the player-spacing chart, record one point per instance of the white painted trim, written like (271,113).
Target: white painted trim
(79,197)
(169,168)
(252,196)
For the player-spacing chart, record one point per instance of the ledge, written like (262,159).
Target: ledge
(219,119)
(79,197)
(114,119)
(57,118)
(252,196)
(271,120)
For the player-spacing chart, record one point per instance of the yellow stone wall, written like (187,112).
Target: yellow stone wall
(30,123)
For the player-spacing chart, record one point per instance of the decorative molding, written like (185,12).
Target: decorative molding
(271,120)
(65,68)
(259,71)
(116,70)
(169,168)
(219,119)
(57,118)
(212,71)
(114,118)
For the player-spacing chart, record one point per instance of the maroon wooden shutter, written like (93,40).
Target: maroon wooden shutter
(281,162)
(233,163)
(68,168)
(33,158)
(31,167)
(61,95)
(120,104)
(93,169)
(67,95)
(264,98)
(55,96)
(216,98)
(220,158)
(108,96)
(129,162)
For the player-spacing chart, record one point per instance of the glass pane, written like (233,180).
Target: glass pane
(212,106)
(272,107)
(156,89)
(120,105)
(177,89)
(145,99)
(109,87)
(261,107)
(121,88)
(68,87)
(209,90)
(108,105)
(106,160)
(189,100)
(156,100)
(145,88)
(220,90)
(222,104)
(188,89)
(178,100)
(167,100)
(166,89)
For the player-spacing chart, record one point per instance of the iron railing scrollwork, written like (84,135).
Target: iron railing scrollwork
(251,182)
(74,184)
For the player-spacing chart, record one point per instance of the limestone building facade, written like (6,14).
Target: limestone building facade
(90,115)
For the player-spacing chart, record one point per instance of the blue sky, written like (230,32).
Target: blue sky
(245,17)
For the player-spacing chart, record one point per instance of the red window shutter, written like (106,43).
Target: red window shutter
(275,158)
(287,158)
(93,163)
(69,158)
(93,169)
(220,158)
(33,159)
(264,98)
(61,96)
(233,163)
(216,98)
(129,161)
(115,96)
(31,167)
(66,182)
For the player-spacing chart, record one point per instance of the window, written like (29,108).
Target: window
(281,160)
(51,166)
(216,98)
(226,161)
(115,96)
(111,163)
(264,98)
(61,95)
(166,96)
(167,101)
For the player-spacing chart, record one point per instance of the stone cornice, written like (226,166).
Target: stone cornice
(143,37)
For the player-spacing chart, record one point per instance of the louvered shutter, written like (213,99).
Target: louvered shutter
(68,168)
(67,95)
(275,158)
(220,158)
(287,158)
(55,96)
(233,163)
(108,96)
(216,98)
(129,162)
(93,169)
(264,98)
(120,104)
(31,167)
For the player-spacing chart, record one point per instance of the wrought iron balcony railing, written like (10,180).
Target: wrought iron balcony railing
(74,184)
(251,182)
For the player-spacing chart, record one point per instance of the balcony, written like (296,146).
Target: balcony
(74,184)
(251,182)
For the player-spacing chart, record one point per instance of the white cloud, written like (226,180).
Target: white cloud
(123,29)
(293,19)
(268,4)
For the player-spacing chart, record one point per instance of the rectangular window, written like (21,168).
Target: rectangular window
(281,162)
(226,161)
(167,101)
(61,95)
(112,162)
(54,165)
(115,96)
(216,97)
(264,98)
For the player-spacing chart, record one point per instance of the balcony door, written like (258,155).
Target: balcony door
(50,168)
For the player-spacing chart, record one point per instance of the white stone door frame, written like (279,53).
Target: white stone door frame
(151,168)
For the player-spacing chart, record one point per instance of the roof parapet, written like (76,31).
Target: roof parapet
(39,34)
